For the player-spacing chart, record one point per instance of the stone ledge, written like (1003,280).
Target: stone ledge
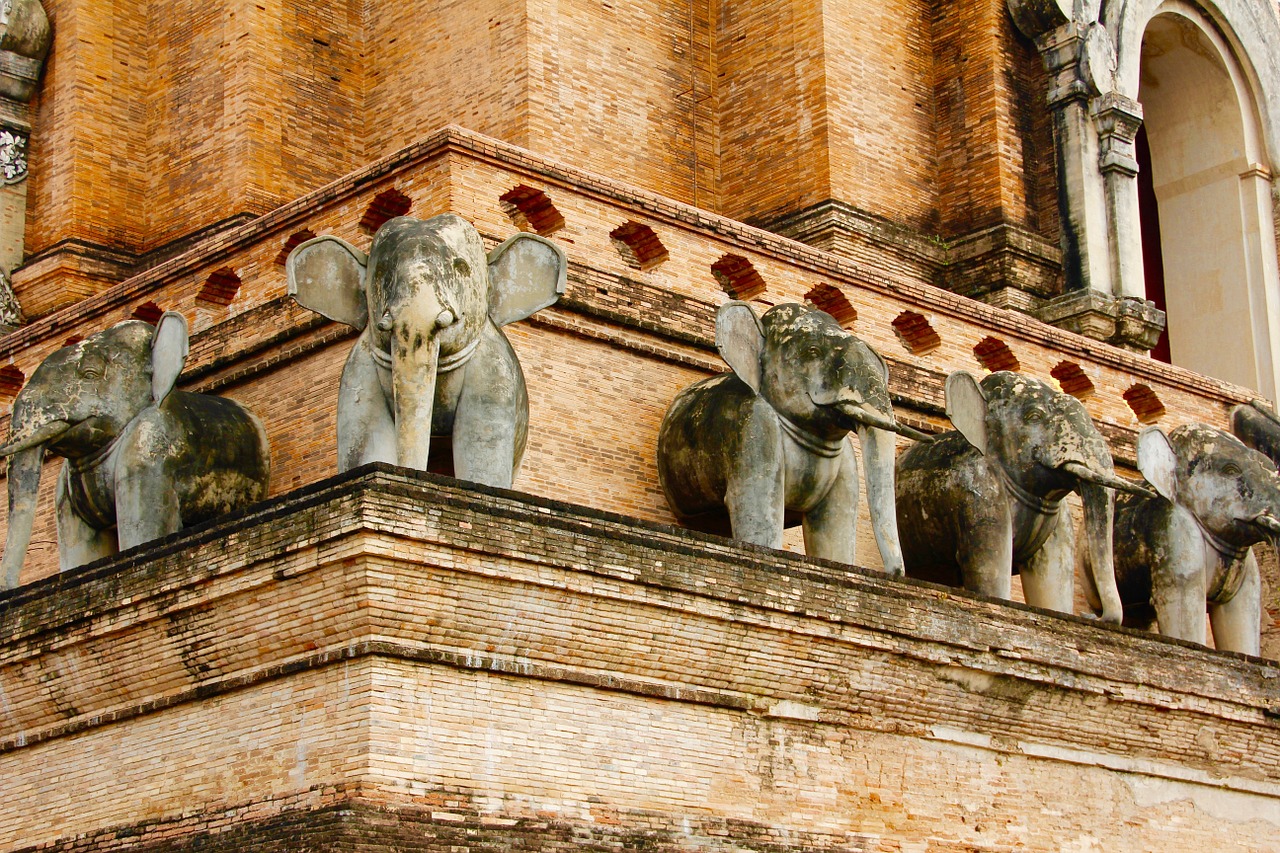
(310,531)
(392,581)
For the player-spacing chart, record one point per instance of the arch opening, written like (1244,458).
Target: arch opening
(1204,201)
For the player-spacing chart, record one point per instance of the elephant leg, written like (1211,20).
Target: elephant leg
(78,543)
(366,427)
(830,528)
(755,491)
(1178,577)
(984,552)
(1048,575)
(146,504)
(492,415)
(1237,624)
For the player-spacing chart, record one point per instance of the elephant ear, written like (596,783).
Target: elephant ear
(1158,462)
(967,408)
(526,274)
(740,340)
(327,275)
(168,354)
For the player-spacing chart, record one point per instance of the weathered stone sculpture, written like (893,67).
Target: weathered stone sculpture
(432,359)
(1189,546)
(1258,427)
(984,502)
(142,460)
(768,442)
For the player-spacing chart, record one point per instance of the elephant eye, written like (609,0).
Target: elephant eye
(1033,417)
(461,267)
(1231,470)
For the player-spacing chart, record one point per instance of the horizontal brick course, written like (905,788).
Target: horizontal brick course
(426,614)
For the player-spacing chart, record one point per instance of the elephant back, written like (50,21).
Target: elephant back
(226,465)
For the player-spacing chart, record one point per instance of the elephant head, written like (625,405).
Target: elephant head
(86,403)
(1190,545)
(986,501)
(429,303)
(768,441)
(1231,489)
(810,370)
(1258,426)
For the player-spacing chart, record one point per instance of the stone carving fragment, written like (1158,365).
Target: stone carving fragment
(768,442)
(1189,547)
(142,459)
(986,501)
(431,359)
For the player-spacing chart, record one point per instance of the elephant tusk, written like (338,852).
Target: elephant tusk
(1086,474)
(46,433)
(872,418)
(1269,523)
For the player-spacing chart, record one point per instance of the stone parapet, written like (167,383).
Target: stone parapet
(461,663)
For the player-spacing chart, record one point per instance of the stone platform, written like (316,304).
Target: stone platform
(395,661)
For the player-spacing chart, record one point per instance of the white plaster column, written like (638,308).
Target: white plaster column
(1118,119)
(1076,56)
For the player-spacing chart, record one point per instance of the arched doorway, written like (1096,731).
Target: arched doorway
(1213,202)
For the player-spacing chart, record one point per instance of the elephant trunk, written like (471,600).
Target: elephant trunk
(24,486)
(415,356)
(1271,527)
(1099,510)
(878,458)
(413,380)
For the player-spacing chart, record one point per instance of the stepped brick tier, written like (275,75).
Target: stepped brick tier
(389,660)
(622,339)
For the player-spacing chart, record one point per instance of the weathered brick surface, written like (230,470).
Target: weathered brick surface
(476,662)
(156,121)
(623,340)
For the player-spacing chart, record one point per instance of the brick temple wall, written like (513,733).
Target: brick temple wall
(621,340)
(407,663)
(158,124)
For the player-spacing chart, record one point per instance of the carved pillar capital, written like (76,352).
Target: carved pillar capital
(1034,18)
(1118,119)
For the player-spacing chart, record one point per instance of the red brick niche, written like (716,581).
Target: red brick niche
(1073,380)
(11,380)
(738,278)
(1144,402)
(827,298)
(385,205)
(639,245)
(219,288)
(915,333)
(295,240)
(531,207)
(147,312)
(994,354)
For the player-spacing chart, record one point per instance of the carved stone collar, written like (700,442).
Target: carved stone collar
(383,358)
(826,448)
(1224,548)
(1038,505)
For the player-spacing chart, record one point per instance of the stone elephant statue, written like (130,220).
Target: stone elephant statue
(1258,427)
(431,359)
(986,501)
(142,460)
(767,444)
(1189,547)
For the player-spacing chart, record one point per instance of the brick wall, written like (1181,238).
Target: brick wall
(623,339)
(477,668)
(158,122)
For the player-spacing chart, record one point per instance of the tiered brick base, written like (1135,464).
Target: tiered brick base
(388,661)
